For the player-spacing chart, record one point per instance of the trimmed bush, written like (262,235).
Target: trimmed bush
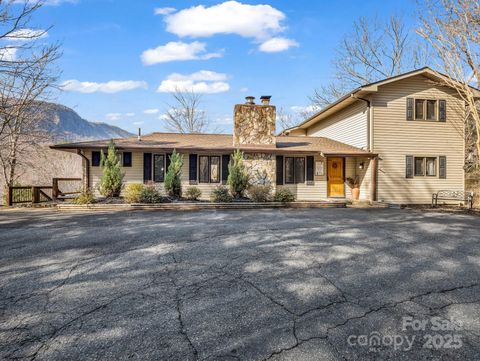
(221,195)
(284,195)
(112,177)
(237,175)
(149,194)
(193,193)
(86,197)
(133,192)
(260,193)
(173,183)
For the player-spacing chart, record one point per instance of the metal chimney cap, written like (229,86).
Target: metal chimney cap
(250,99)
(265,97)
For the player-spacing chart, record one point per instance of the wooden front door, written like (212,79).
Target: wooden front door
(336,182)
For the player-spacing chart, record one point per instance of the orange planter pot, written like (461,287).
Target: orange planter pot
(355,194)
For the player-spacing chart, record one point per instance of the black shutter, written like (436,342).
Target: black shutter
(409,166)
(96,159)
(409,108)
(167,162)
(127,159)
(147,167)
(279,170)
(225,161)
(192,168)
(310,171)
(442,167)
(442,110)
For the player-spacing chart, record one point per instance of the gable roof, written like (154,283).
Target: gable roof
(366,89)
(196,142)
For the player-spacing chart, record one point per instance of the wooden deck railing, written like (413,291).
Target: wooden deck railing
(60,188)
(66,186)
(28,194)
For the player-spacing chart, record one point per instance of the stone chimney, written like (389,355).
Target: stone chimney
(254,124)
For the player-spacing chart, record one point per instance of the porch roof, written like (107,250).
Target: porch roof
(220,143)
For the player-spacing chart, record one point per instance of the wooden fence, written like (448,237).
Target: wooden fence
(28,194)
(61,188)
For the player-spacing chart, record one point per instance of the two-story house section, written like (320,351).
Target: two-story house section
(415,126)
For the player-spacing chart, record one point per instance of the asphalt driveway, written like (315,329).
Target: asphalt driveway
(324,284)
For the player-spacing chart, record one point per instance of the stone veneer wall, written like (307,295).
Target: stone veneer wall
(254,124)
(261,167)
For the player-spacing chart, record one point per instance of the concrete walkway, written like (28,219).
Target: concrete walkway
(279,284)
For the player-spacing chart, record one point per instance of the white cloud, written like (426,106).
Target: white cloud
(138,123)
(305,110)
(151,111)
(244,89)
(163,117)
(113,86)
(231,17)
(177,50)
(8,54)
(203,81)
(26,34)
(118,116)
(113,116)
(164,11)
(275,45)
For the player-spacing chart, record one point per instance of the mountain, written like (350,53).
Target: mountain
(66,125)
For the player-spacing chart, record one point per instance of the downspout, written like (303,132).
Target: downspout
(374,163)
(86,179)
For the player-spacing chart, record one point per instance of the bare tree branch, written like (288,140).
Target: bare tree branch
(452,28)
(185,114)
(372,51)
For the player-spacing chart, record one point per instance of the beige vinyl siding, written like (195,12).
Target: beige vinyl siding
(395,138)
(348,126)
(134,174)
(310,192)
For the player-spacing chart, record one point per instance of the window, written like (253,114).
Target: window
(127,159)
(419,167)
(209,169)
(158,168)
(299,170)
(294,170)
(214,169)
(431,110)
(419,103)
(289,171)
(425,166)
(431,167)
(96,159)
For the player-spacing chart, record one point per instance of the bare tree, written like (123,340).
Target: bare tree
(21,91)
(374,50)
(288,118)
(184,115)
(452,27)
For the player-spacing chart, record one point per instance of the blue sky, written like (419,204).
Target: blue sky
(230,56)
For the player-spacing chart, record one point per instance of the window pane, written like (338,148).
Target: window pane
(432,110)
(432,166)
(419,109)
(127,159)
(289,170)
(299,170)
(214,169)
(203,169)
(158,167)
(419,166)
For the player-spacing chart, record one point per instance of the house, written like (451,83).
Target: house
(412,122)
(402,137)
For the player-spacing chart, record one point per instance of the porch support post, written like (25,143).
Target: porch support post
(86,171)
(374,178)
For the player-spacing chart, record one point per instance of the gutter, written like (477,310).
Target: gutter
(369,122)
(86,180)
